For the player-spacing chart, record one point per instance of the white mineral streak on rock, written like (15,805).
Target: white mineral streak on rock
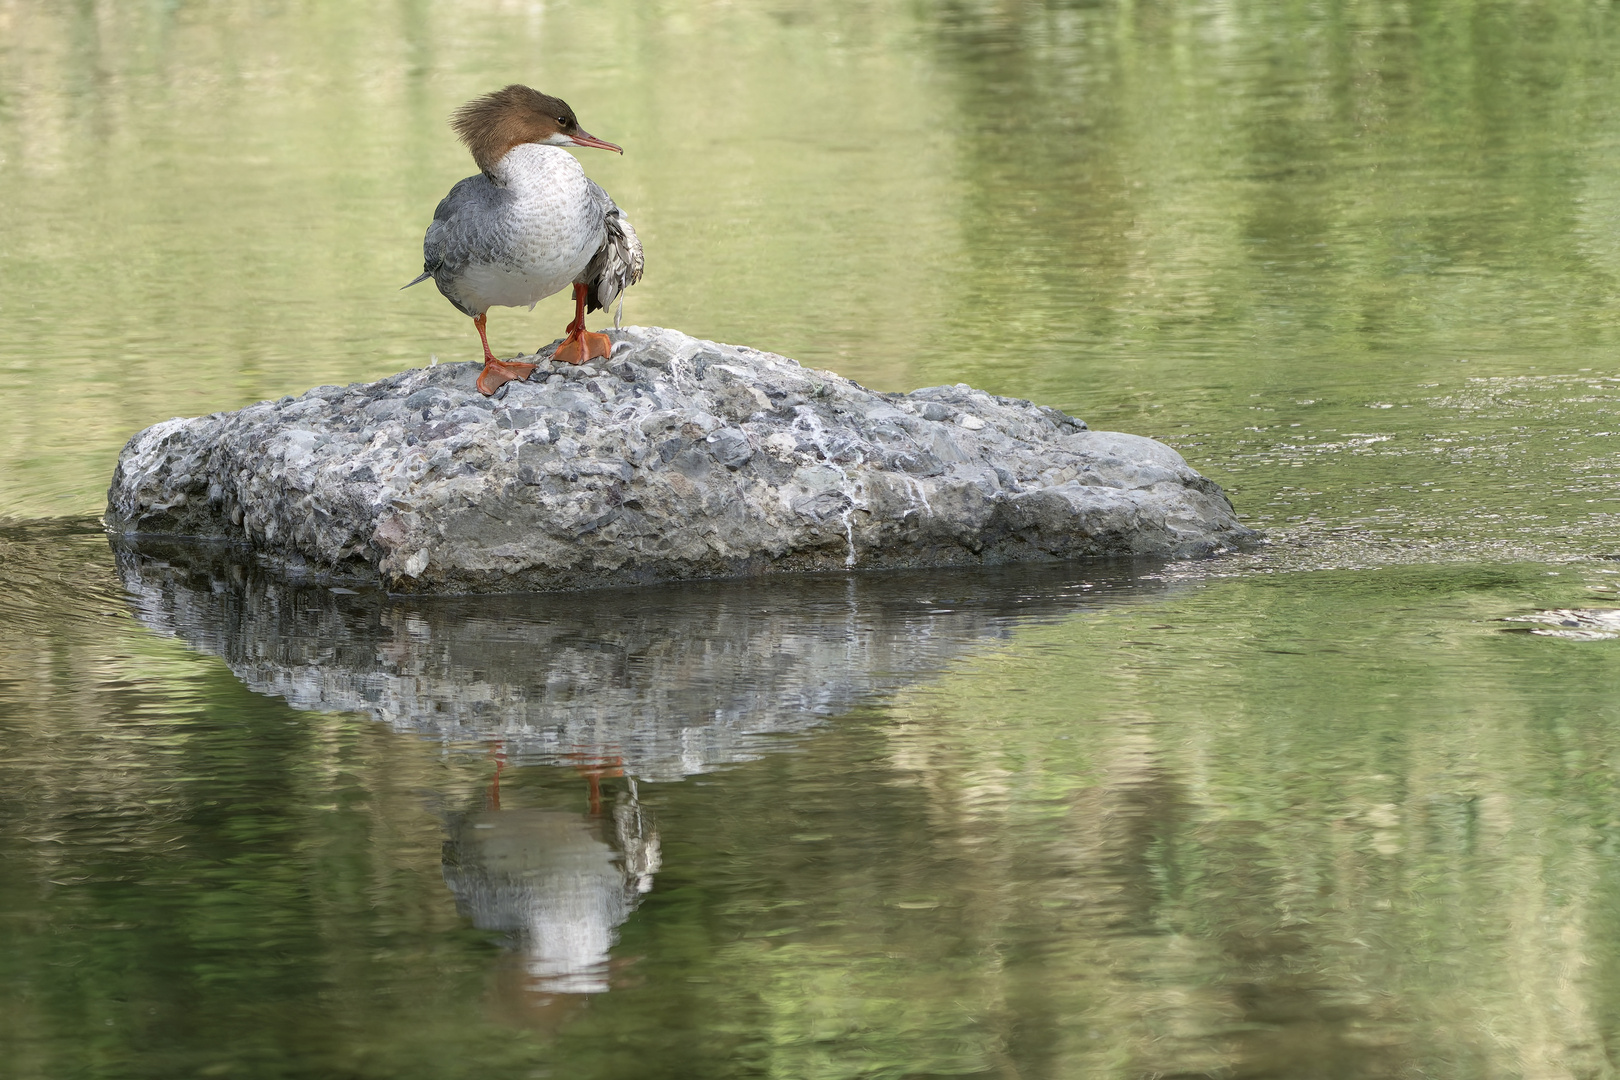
(683,459)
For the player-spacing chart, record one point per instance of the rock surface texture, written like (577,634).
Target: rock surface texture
(677,458)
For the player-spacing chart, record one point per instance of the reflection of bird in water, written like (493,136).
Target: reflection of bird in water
(530,224)
(548,880)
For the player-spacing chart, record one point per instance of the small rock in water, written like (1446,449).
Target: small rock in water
(1576,624)
(680,458)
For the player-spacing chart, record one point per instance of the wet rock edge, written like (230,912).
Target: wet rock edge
(677,459)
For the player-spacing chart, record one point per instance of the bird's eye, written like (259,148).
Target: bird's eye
(563,121)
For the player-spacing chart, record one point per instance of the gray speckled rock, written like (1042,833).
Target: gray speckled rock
(679,458)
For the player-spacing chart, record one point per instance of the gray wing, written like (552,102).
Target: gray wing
(460,233)
(617,264)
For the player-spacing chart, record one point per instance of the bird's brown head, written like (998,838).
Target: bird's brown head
(493,124)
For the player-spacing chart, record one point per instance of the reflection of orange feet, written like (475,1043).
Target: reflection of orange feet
(593,772)
(580,346)
(497,373)
(493,799)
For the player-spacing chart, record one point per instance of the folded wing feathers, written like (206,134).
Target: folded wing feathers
(618,263)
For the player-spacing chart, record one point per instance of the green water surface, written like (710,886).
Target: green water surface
(1312,810)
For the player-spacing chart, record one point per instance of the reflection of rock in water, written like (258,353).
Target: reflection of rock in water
(664,681)
(547,880)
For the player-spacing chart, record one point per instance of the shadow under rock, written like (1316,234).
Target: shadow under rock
(660,682)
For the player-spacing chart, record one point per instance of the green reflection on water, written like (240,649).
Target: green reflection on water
(1235,827)
(1358,262)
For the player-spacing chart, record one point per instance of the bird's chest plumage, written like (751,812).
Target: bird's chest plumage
(537,232)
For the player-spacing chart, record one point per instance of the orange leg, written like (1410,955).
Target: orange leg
(581,345)
(497,372)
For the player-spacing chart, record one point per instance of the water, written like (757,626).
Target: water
(1324,809)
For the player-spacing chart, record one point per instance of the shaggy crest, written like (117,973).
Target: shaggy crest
(516,114)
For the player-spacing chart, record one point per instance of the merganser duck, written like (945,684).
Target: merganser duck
(528,225)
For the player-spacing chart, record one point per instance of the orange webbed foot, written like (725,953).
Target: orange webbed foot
(586,346)
(571,351)
(576,349)
(597,346)
(498,373)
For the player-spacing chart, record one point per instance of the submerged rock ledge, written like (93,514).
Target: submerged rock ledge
(677,458)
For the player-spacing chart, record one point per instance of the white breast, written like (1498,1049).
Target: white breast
(550,232)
